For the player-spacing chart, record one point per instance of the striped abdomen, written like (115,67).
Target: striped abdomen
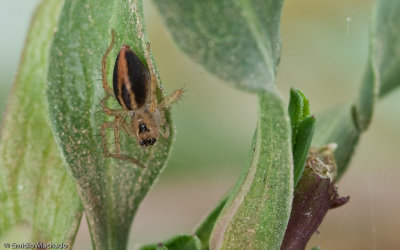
(131,79)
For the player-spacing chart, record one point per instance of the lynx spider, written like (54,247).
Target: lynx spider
(138,102)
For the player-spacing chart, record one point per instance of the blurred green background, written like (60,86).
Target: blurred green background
(324,54)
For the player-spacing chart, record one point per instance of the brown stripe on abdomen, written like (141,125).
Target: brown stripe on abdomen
(131,79)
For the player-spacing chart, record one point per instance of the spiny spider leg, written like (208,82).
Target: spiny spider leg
(107,88)
(165,133)
(127,128)
(116,125)
(112,112)
(103,136)
(116,136)
(127,158)
(171,99)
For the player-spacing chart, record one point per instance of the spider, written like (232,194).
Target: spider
(134,87)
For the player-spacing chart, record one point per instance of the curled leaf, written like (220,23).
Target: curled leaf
(256,213)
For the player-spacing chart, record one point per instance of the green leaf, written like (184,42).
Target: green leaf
(111,189)
(239,42)
(302,130)
(385,45)
(306,106)
(179,242)
(382,74)
(299,109)
(205,228)
(258,210)
(37,195)
(344,125)
(302,146)
(295,112)
(236,40)
(203,232)
(363,108)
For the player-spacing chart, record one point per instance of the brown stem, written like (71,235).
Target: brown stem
(314,196)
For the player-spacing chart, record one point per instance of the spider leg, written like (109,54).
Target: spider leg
(127,128)
(153,81)
(171,99)
(116,136)
(117,155)
(111,112)
(103,128)
(119,121)
(107,88)
(165,133)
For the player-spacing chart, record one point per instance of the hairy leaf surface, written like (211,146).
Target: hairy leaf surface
(38,198)
(111,189)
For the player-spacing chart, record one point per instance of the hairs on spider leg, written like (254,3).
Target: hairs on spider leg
(100,99)
(182,95)
(184,86)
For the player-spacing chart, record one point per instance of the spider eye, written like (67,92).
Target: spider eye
(151,141)
(142,128)
(143,142)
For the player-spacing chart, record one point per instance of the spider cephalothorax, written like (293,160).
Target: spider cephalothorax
(146,127)
(134,87)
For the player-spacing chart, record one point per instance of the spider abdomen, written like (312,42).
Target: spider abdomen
(131,79)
